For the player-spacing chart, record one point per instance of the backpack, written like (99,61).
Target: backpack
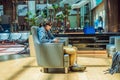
(115,67)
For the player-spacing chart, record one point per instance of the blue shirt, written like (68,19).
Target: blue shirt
(98,23)
(44,36)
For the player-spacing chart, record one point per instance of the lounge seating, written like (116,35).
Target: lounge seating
(13,37)
(24,36)
(113,46)
(49,55)
(4,37)
(20,38)
(23,40)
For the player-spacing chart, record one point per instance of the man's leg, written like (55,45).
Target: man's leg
(72,51)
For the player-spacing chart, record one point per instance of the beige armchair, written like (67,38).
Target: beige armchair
(49,55)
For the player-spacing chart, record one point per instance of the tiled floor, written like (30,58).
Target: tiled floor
(23,67)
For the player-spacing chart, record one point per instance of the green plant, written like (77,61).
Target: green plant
(32,20)
(60,17)
(65,12)
(35,20)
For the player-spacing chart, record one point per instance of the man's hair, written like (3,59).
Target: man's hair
(47,23)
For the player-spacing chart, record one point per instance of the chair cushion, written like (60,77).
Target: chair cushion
(110,49)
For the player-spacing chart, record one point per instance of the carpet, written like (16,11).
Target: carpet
(10,49)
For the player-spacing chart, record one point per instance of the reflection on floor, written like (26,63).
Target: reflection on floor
(23,67)
(12,57)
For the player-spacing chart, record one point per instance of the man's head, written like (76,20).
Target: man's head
(48,25)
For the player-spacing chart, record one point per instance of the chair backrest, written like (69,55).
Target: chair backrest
(35,35)
(117,43)
(24,36)
(49,55)
(4,36)
(15,36)
(112,39)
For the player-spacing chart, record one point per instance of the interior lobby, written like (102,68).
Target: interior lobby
(92,26)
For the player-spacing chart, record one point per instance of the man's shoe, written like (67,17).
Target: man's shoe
(78,68)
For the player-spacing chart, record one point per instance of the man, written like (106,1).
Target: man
(44,35)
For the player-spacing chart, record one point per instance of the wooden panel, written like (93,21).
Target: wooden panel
(113,15)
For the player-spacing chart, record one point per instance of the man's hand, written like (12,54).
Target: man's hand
(56,40)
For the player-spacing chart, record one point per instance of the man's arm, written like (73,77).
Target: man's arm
(51,35)
(42,36)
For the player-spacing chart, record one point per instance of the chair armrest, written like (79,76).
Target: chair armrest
(64,39)
(50,55)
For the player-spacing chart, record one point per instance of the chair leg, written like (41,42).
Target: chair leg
(66,69)
(108,55)
(44,70)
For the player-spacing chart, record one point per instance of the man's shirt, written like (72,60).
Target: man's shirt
(44,36)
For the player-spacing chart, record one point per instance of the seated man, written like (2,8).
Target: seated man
(44,35)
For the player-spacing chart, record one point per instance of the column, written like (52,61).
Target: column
(31,8)
(78,17)
(82,16)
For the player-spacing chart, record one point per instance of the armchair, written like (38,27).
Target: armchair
(113,46)
(49,55)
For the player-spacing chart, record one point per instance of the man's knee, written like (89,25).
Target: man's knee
(71,50)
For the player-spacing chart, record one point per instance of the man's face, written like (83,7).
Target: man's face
(48,27)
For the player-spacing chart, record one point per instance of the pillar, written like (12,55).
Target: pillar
(31,8)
